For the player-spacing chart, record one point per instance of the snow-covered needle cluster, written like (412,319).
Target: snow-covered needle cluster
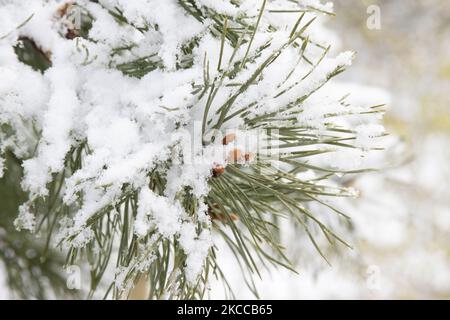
(146,128)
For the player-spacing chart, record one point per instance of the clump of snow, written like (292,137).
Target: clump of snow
(159,212)
(25,220)
(196,248)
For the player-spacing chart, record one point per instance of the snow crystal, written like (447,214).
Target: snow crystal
(25,220)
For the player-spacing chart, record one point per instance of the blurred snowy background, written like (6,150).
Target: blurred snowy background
(401,220)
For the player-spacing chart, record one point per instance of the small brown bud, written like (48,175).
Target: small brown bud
(217,171)
(228,138)
(217,216)
(72,34)
(249,156)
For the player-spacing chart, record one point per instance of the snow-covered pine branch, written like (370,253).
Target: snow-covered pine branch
(147,128)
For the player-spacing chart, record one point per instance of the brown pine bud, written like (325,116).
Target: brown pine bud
(72,34)
(217,171)
(228,138)
(249,156)
(217,216)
